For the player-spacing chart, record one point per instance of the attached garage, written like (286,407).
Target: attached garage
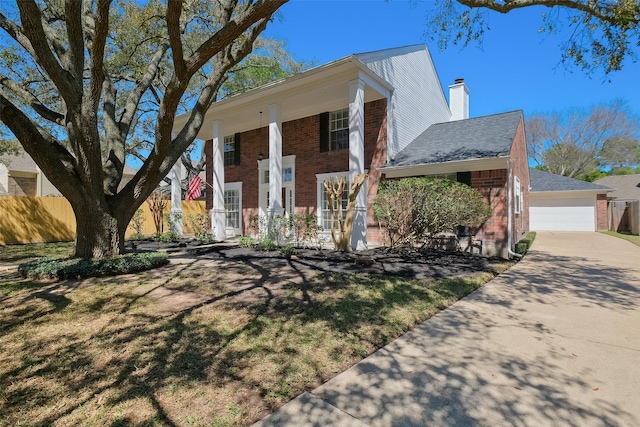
(558,203)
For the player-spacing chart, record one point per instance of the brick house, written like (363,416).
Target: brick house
(269,149)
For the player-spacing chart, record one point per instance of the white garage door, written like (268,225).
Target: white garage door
(574,214)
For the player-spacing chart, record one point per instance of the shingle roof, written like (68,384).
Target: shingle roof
(476,138)
(625,187)
(545,181)
(20,163)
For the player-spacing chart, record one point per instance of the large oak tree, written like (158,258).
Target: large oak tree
(72,89)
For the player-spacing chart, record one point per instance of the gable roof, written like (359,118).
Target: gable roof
(476,138)
(545,181)
(21,163)
(625,187)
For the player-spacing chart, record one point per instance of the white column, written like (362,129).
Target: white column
(176,198)
(218,213)
(275,161)
(356,161)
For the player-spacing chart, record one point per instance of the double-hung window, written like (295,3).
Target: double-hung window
(229,150)
(323,203)
(339,129)
(517,191)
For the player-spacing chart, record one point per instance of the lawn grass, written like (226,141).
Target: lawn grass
(106,352)
(630,237)
(21,253)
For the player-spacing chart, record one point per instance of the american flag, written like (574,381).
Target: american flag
(194,187)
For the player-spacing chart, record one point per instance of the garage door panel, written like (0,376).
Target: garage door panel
(562,214)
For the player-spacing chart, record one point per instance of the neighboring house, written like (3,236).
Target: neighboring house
(270,149)
(22,177)
(623,187)
(559,203)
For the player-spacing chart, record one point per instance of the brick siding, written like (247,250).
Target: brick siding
(520,169)
(602,218)
(20,186)
(492,184)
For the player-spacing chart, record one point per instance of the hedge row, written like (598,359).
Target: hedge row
(76,268)
(523,245)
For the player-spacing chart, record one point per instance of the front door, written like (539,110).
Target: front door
(288,185)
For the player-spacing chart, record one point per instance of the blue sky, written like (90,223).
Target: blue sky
(515,68)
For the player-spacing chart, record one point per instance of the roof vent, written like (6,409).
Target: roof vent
(458,81)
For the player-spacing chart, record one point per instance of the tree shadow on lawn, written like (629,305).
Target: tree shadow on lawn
(100,348)
(258,332)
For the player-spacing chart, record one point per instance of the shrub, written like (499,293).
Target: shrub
(76,268)
(305,229)
(415,209)
(288,250)
(247,242)
(136,236)
(137,221)
(522,247)
(199,223)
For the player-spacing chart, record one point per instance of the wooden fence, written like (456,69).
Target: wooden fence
(51,219)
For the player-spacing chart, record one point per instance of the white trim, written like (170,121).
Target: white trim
(517,206)
(218,214)
(275,160)
(445,167)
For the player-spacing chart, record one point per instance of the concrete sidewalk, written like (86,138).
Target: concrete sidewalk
(553,341)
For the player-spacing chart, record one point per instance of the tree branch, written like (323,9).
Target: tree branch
(44,111)
(61,78)
(602,10)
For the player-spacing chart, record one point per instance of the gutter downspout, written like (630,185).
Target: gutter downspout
(510,214)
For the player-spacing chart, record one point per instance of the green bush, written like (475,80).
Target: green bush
(199,223)
(288,250)
(413,210)
(247,242)
(137,221)
(525,243)
(76,268)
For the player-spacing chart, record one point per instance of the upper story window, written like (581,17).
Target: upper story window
(339,129)
(229,150)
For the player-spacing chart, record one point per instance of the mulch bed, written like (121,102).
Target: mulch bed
(406,263)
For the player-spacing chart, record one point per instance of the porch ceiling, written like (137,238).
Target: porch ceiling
(315,91)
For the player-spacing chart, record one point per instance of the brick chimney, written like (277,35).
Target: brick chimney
(459,100)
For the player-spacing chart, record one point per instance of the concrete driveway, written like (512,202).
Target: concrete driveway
(553,341)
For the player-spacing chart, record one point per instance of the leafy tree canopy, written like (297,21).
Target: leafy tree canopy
(601,34)
(579,143)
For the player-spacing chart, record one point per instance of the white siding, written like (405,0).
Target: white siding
(4,179)
(418,100)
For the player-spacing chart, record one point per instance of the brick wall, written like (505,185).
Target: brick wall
(602,218)
(302,138)
(492,184)
(520,169)
(21,186)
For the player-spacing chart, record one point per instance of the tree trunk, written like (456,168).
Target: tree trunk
(99,233)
